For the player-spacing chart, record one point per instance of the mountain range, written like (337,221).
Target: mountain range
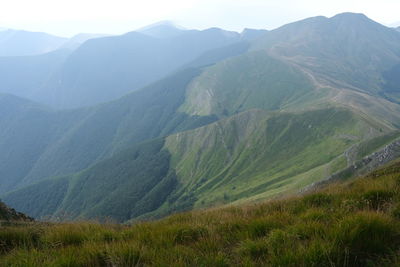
(104,69)
(149,123)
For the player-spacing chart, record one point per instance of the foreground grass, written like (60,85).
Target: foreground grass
(351,224)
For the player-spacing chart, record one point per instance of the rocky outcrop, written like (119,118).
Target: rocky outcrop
(8,214)
(369,163)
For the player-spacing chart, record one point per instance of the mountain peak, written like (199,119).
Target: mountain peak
(350,17)
(162,29)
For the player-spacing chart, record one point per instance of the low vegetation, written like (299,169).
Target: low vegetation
(356,223)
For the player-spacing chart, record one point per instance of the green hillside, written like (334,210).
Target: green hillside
(256,154)
(252,80)
(355,223)
(64,142)
(251,156)
(346,60)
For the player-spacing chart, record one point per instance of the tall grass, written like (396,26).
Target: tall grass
(351,224)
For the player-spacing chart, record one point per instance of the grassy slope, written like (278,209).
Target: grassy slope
(252,80)
(257,154)
(354,59)
(356,223)
(251,156)
(271,80)
(133,182)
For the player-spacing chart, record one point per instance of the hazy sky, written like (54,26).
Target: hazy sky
(68,17)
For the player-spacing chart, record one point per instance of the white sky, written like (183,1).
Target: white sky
(69,17)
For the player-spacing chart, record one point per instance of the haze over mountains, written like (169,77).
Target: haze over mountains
(190,119)
(104,69)
(23,43)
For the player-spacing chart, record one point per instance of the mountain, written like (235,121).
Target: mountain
(24,76)
(398,28)
(104,69)
(333,49)
(162,29)
(24,43)
(246,121)
(348,55)
(61,142)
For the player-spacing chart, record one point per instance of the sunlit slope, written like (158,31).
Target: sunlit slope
(257,154)
(252,80)
(260,80)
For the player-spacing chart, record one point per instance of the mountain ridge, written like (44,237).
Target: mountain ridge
(203,174)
